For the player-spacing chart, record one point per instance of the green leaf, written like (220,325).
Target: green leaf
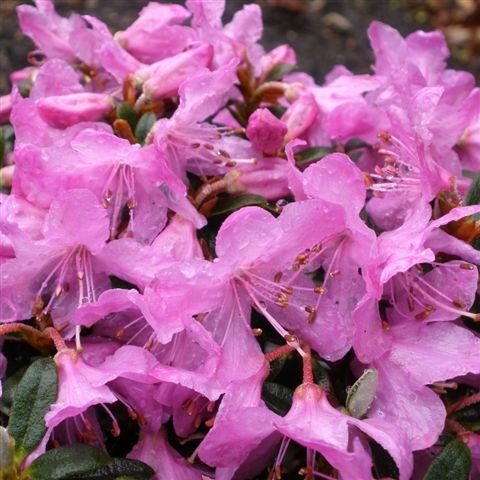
(279,71)
(452,463)
(354,144)
(473,195)
(311,154)
(144,126)
(127,112)
(320,375)
(9,388)
(232,204)
(120,468)
(277,397)
(383,464)
(469,417)
(6,142)
(361,394)
(68,462)
(34,394)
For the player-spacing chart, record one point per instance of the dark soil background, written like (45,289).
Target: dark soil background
(323,32)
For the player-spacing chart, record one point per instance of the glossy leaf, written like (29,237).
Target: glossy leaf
(312,154)
(144,126)
(126,112)
(230,205)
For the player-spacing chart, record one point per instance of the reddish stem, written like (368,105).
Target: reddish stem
(278,352)
(307,367)
(57,339)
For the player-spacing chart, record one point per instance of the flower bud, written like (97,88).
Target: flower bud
(66,110)
(163,78)
(266,131)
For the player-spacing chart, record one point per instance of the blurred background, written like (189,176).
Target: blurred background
(323,32)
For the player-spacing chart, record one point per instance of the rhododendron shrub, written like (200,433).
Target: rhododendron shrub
(213,267)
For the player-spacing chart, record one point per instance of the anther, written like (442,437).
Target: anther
(198,421)
(277,277)
(38,306)
(115,429)
(257,332)
(312,314)
(210,422)
(467,266)
(131,204)
(458,303)
(289,338)
(58,291)
(335,273)
(302,259)
(320,290)
(426,313)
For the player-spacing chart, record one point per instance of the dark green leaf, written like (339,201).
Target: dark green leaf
(320,375)
(383,464)
(469,417)
(279,71)
(476,242)
(232,204)
(452,463)
(120,468)
(144,126)
(6,142)
(311,154)
(127,112)
(68,462)
(353,144)
(33,396)
(473,195)
(277,397)
(277,110)
(9,388)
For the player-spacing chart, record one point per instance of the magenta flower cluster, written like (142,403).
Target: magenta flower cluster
(346,241)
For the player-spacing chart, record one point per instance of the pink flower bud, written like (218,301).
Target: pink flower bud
(163,78)
(300,115)
(66,110)
(277,56)
(266,131)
